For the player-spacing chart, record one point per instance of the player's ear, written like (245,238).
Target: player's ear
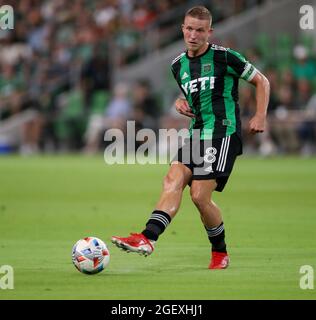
(182,27)
(210,31)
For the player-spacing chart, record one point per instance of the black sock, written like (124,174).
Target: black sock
(156,225)
(216,235)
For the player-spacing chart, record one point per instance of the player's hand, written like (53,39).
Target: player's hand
(257,123)
(183,107)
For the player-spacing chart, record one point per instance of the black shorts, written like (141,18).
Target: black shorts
(210,159)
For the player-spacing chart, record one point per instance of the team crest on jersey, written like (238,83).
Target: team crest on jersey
(206,67)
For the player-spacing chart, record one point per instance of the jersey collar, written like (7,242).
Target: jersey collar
(200,55)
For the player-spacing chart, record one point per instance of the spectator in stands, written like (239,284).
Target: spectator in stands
(273,78)
(21,122)
(247,108)
(287,79)
(283,122)
(303,67)
(302,94)
(143,15)
(115,116)
(145,106)
(307,129)
(96,75)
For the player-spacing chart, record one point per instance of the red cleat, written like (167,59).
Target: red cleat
(136,242)
(220,260)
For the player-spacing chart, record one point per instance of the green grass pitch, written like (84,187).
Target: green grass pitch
(48,203)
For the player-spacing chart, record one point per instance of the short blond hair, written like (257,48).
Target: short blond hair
(199,12)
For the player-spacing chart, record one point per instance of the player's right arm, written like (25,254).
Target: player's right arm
(182,106)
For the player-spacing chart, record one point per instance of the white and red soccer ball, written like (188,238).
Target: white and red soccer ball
(90,255)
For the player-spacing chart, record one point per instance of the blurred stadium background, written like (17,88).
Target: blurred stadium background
(70,70)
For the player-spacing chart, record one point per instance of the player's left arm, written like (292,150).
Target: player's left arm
(240,67)
(258,122)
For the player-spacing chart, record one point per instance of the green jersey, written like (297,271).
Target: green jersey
(209,82)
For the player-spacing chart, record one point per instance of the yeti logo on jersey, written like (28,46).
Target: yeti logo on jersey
(198,84)
(210,158)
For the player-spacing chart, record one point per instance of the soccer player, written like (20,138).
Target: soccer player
(208,77)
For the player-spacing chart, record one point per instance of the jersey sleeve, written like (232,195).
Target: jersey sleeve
(174,73)
(239,66)
(175,69)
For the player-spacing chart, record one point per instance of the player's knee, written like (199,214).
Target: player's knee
(198,197)
(171,184)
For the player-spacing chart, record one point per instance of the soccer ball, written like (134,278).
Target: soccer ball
(90,255)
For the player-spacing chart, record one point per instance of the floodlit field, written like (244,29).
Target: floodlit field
(48,203)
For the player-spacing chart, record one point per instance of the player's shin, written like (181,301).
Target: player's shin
(216,236)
